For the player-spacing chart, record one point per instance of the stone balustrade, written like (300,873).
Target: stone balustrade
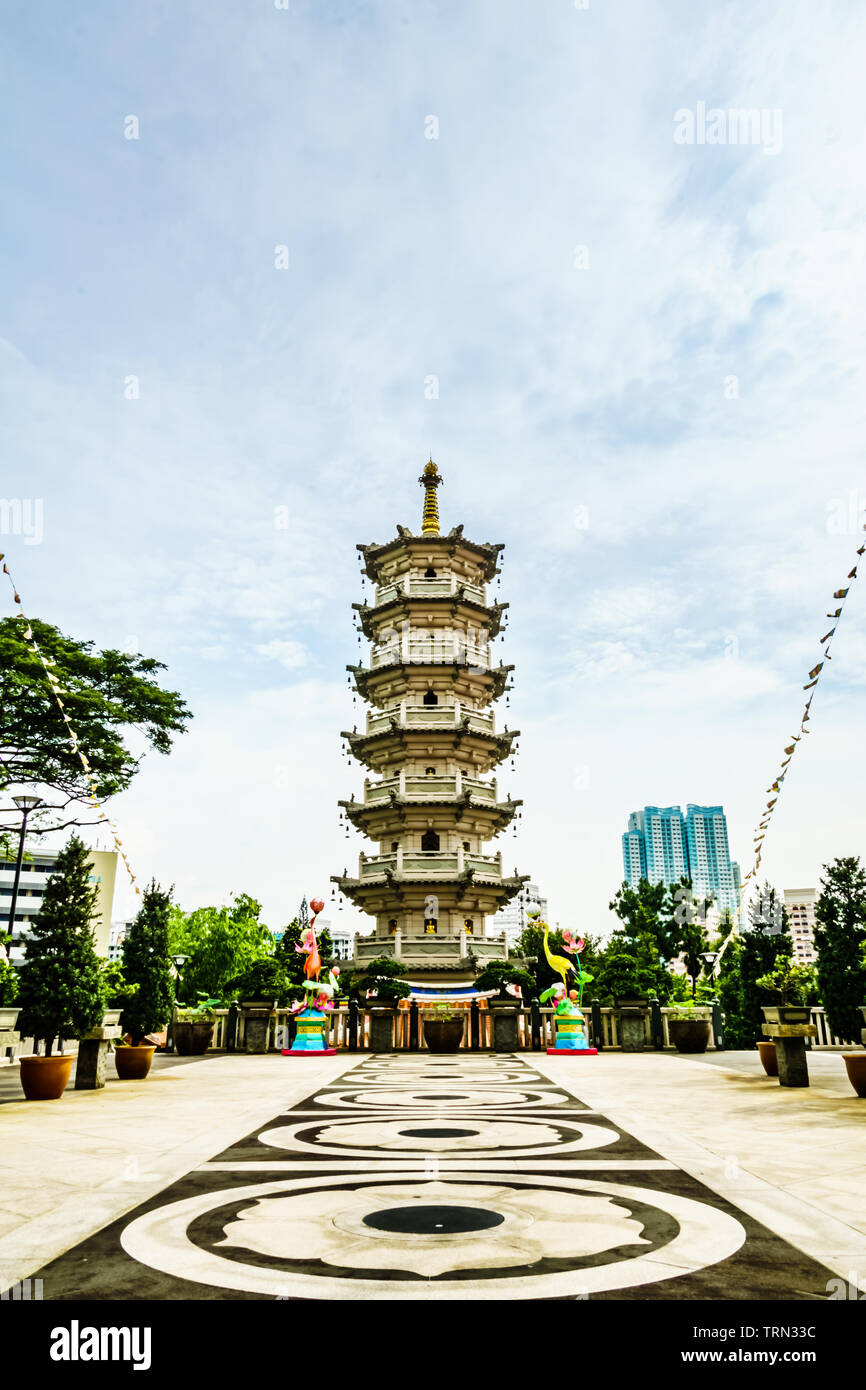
(430,716)
(414,586)
(429,787)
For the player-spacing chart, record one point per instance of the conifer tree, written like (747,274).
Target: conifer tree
(62,991)
(146,963)
(840,938)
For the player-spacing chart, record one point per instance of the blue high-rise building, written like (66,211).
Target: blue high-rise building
(663,845)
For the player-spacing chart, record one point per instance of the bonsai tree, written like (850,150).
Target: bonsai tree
(146,964)
(763,944)
(631,968)
(62,989)
(200,1012)
(792,984)
(499,973)
(382,977)
(264,979)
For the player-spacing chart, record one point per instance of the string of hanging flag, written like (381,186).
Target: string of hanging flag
(48,664)
(774,790)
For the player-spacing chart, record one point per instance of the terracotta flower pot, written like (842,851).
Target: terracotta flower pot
(443,1035)
(46,1078)
(855,1065)
(769,1060)
(133,1063)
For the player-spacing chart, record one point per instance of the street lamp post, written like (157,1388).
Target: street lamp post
(25,805)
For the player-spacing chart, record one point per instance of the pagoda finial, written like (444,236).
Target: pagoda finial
(430,479)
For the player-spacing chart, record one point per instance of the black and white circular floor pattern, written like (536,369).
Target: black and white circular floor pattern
(418,1178)
(493,1236)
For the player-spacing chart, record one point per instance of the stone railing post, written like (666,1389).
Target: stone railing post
(353,1024)
(597,1030)
(413,1026)
(535,1023)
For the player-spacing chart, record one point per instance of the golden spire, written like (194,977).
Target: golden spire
(430,479)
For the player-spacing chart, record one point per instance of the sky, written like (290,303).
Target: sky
(260,262)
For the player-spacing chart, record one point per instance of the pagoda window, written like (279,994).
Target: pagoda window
(468,926)
(466,845)
(431,698)
(392,926)
(395,845)
(429,772)
(429,572)
(429,842)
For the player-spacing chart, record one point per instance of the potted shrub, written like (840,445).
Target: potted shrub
(258,990)
(791,984)
(382,978)
(443,1029)
(687,1031)
(147,974)
(193,1027)
(62,990)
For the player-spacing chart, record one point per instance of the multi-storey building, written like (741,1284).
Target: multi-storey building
(663,846)
(513,917)
(430,741)
(36,869)
(800,904)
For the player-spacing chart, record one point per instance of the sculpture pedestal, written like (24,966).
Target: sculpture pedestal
(310,1038)
(790,1040)
(505,1035)
(571,1037)
(92,1051)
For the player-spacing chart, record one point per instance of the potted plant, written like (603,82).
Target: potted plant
(147,973)
(443,1029)
(258,990)
(193,1027)
(791,984)
(688,1032)
(382,979)
(62,991)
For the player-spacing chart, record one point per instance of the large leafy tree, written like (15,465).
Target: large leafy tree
(840,938)
(62,989)
(220,943)
(146,964)
(755,952)
(104,693)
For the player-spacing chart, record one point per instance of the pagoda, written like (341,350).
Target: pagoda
(430,808)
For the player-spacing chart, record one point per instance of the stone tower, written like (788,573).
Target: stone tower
(430,808)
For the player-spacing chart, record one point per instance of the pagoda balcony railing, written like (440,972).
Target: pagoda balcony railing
(406,863)
(427,716)
(429,787)
(413,586)
(426,651)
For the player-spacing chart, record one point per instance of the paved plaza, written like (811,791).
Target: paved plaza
(416,1176)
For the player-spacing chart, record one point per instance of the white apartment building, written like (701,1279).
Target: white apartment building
(800,905)
(512,918)
(36,869)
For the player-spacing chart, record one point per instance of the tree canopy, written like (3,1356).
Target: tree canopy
(840,938)
(220,944)
(105,694)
